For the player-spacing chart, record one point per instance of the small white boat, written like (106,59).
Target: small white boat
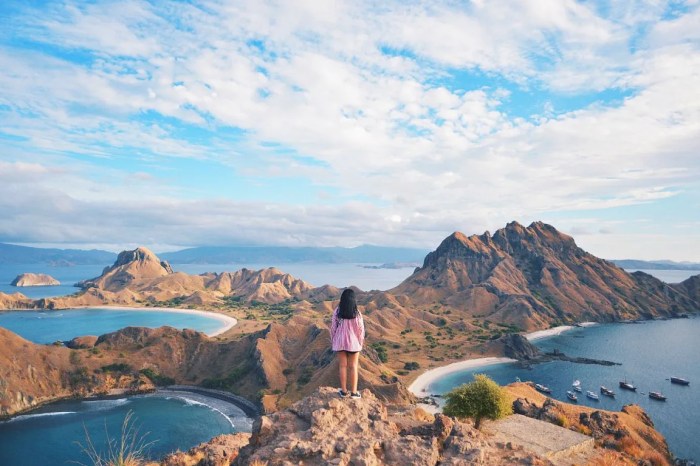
(577,383)
(578,389)
(572,396)
(592,395)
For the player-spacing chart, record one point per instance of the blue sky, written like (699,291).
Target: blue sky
(177,124)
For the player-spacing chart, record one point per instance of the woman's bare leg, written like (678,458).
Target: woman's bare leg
(353,359)
(343,366)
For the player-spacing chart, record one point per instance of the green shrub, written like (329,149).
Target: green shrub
(380,348)
(411,366)
(117,367)
(226,382)
(482,398)
(156,378)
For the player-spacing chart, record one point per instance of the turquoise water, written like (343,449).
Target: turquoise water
(650,354)
(63,325)
(49,436)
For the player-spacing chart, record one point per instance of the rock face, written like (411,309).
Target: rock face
(518,347)
(324,429)
(34,279)
(219,451)
(534,277)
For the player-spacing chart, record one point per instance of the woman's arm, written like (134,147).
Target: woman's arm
(334,323)
(361,328)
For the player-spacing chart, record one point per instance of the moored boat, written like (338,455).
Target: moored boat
(657,396)
(577,383)
(592,395)
(578,389)
(542,388)
(607,392)
(571,395)
(680,381)
(627,386)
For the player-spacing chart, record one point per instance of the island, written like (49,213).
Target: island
(34,279)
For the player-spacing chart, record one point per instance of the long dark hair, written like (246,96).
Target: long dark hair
(347,309)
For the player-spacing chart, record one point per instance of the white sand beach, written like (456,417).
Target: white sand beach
(550,332)
(226,321)
(420,386)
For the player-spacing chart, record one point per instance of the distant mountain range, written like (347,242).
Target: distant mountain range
(13,254)
(633,264)
(266,255)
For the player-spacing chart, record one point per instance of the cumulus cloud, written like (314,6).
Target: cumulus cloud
(365,103)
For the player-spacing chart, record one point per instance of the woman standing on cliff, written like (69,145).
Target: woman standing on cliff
(347,338)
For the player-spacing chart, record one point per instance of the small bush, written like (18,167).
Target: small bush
(117,367)
(380,348)
(411,366)
(156,378)
(482,398)
(306,375)
(562,421)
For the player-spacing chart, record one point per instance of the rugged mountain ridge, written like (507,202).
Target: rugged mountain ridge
(535,277)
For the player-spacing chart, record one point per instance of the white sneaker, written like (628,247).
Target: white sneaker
(355,395)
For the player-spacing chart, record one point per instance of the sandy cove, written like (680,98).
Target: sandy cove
(420,386)
(227,322)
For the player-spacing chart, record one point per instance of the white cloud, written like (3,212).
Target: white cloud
(393,130)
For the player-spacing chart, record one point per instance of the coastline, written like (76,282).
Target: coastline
(227,322)
(419,386)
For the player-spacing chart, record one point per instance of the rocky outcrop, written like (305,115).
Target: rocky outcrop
(324,429)
(516,346)
(219,451)
(85,342)
(34,279)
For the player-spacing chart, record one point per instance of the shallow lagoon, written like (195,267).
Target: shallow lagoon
(63,325)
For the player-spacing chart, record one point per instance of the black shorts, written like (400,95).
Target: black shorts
(349,352)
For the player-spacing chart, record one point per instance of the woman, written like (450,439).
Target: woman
(347,338)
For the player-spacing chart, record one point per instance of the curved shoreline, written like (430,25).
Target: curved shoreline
(426,379)
(228,322)
(419,386)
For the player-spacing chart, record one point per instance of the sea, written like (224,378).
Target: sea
(58,434)
(63,325)
(364,276)
(650,353)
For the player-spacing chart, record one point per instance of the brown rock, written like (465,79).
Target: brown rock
(85,342)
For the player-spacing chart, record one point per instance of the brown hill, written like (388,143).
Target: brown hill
(535,277)
(32,374)
(131,267)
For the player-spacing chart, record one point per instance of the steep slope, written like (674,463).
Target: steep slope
(32,374)
(534,277)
